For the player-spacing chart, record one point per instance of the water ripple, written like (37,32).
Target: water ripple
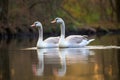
(86,47)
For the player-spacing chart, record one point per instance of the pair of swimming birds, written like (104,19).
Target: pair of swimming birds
(71,41)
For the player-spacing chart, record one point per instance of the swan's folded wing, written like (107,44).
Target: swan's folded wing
(75,38)
(53,40)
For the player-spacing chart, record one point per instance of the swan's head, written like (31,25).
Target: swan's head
(36,24)
(57,20)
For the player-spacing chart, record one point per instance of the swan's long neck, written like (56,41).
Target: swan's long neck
(40,38)
(62,26)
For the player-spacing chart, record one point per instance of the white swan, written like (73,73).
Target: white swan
(70,41)
(50,42)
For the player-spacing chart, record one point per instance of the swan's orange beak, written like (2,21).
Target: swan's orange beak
(33,25)
(54,21)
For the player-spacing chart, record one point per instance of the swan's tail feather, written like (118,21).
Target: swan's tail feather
(91,40)
(85,36)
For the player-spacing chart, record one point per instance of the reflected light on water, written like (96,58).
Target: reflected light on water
(60,57)
(97,75)
(19,61)
(66,57)
(63,57)
(86,47)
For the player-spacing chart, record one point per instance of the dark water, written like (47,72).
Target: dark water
(19,60)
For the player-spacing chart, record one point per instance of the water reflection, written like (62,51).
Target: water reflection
(98,61)
(45,57)
(56,60)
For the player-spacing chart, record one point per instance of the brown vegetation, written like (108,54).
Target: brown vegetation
(16,16)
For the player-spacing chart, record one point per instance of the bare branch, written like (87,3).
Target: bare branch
(112,5)
(36,3)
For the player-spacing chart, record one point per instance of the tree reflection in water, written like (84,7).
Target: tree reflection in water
(94,63)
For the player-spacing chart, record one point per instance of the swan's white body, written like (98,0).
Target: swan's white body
(51,42)
(73,40)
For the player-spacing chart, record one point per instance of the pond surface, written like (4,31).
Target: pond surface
(20,60)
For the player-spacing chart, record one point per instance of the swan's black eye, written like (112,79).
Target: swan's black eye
(56,19)
(35,24)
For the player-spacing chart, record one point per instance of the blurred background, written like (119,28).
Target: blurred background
(91,16)
(99,19)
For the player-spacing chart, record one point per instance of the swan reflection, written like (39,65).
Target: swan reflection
(51,53)
(54,60)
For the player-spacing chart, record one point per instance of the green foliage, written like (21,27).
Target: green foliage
(92,18)
(74,12)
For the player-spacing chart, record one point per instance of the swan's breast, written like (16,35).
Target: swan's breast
(63,43)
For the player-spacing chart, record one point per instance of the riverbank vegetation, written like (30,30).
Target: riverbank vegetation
(80,16)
